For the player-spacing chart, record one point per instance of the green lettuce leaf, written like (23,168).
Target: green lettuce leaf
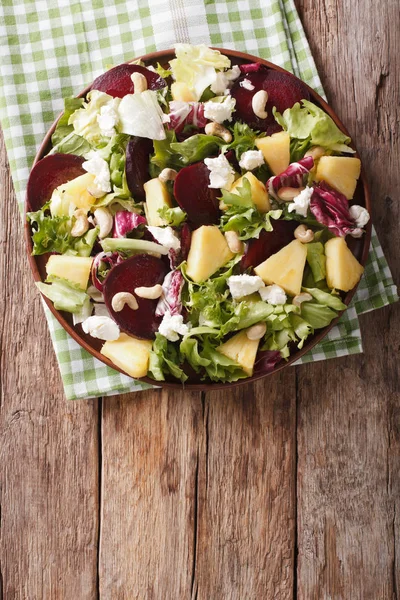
(326,299)
(164,73)
(196,148)
(84,119)
(172,216)
(311,123)
(65,295)
(243,139)
(63,128)
(72,144)
(247,222)
(164,156)
(317,315)
(317,260)
(242,198)
(165,359)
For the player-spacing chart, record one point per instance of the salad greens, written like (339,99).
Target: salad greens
(216,272)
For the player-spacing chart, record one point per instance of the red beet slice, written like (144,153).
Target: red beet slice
(193,195)
(186,238)
(48,174)
(138,153)
(140,270)
(283,89)
(268,243)
(117,82)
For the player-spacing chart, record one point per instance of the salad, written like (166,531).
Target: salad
(195,216)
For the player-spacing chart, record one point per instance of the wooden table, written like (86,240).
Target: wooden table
(286,488)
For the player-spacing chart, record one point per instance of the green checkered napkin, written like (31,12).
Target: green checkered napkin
(54,49)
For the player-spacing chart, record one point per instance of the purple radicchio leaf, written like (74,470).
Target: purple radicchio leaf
(170,300)
(110,259)
(125,222)
(267,361)
(331,208)
(186,113)
(250,68)
(293,176)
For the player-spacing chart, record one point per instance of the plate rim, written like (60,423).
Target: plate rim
(165,55)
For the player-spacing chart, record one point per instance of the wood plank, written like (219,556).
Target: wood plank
(48,447)
(150,443)
(246,492)
(348,411)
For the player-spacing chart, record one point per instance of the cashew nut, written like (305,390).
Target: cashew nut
(304,297)
(258,104)
(219,131)
(315,151)
(287,194)
(149,292)
(139,83)
(119,300)
(235,245)
(81,224)
(104,221)
(256,332)
(303,234)
(167,175)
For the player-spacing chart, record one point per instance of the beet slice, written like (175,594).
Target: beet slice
(284,90)
(186,238)
(117,82)
(138,153)
(193,195)
(48,174)
(140,270)
(268,243)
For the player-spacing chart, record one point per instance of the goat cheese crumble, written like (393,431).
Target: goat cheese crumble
(95,165)
(102,328)
(247,85)
(244,285)
(220,111)
(107,120)
(359,214)
(222,174)
(251,160)
(301,202)
(165,236)
(172,326)
(273,294)
(224,79)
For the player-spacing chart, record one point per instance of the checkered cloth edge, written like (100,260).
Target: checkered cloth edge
(52,50)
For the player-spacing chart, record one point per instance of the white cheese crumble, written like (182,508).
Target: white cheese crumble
(222,174)
(165,236)
(172,326)
(223,80)
(244,285)
(273,294)
(107,120)
(301,202)
(99,167)
(220,111)
(359,214)
(251,160)
(102,328)
(247,85)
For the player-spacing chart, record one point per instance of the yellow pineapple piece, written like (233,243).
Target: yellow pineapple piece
(208,252)
(73,268)
(157,196)
(130,354)
(259,193)
(285,268)
(76,191)
(241,350)
(276,151)
(340,172)
(343,271)
(180,91)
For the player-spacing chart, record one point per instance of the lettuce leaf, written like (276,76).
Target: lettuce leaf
(196,148)
(243,139)
(63,127)
(64,295)
(312,123)
(317,260)
(163,155)
(141,115)
(84,119)
(326,298)
(317,315)
(165,359)
(196,66)
(247,222)
(172,216)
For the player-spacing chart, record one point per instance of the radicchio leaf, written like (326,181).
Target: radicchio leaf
(125,222)
(267,361)
(186,113)
(250,68)
(294,176)
(103,258)
(331,208)
(170,300)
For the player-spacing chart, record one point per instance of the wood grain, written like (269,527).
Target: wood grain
(48,447)
(349,409)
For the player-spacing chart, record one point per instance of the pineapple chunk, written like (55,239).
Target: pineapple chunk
(130,354)
(208,253)
(259,193)
(73,268)
(181,92)
(276,151)
(76,192)
(241,350)
(285,268)
(343,271)
(340,172)
(157,196)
